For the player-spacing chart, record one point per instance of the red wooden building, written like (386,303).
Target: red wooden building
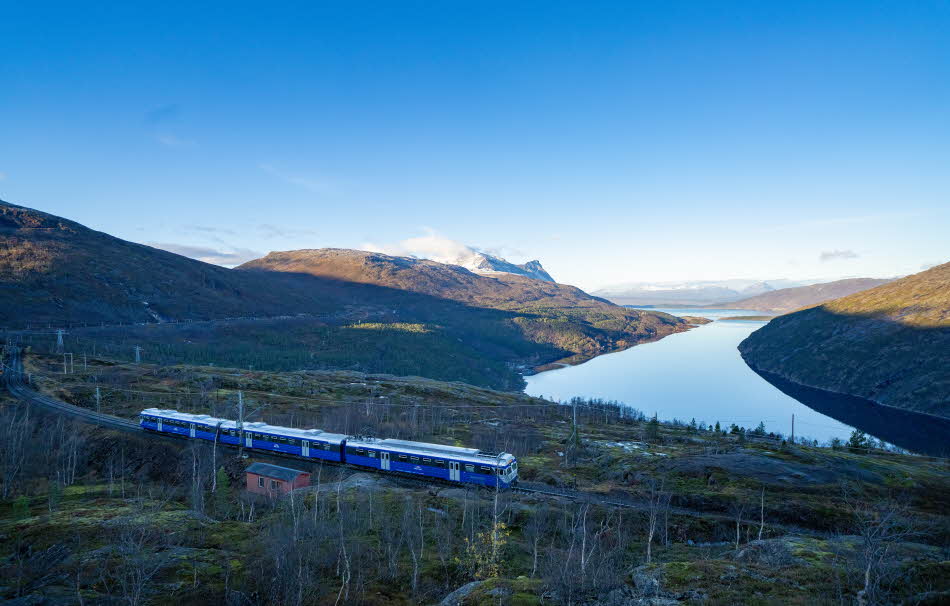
(273,480)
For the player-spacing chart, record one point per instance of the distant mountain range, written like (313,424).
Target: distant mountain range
(692,293)
(446,321)
(889,344)
(789,299)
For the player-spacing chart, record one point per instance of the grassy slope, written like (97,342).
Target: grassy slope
(890,344)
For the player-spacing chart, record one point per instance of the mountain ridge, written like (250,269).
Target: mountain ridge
(789,299)
(56,272)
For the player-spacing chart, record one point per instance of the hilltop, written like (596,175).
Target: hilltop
(53,270)
(545,312)
(500,290)
(790,299)
(889,344)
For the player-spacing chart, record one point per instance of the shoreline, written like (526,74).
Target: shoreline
(578,359)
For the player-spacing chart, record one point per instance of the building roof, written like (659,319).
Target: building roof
(275,471)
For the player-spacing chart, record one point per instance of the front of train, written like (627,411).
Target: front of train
(507,469)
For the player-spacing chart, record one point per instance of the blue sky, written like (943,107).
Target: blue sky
(615,142)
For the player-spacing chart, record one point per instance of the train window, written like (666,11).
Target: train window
(414,459)
(360,451)
(438,463)
(403,457)
(427,461)
(484,469)
(371,453)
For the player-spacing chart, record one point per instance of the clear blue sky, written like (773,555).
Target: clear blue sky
(613,141)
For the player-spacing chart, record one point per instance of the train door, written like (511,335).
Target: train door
(191,430)
(249,439)
(384,460)
(305,448)
(159,423)
(454,473)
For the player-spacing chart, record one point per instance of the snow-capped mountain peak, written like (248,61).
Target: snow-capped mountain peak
(482,263)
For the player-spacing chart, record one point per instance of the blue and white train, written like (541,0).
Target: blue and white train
(452,463)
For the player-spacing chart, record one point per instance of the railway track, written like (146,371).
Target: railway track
(15,385)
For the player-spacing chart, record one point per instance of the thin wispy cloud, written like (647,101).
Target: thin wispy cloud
(170,140)
(834,255)
(163,113)
(275,231)
(227,258)
(209,229)
(317,186)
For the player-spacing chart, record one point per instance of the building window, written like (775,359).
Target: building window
(260,482)
(274,484)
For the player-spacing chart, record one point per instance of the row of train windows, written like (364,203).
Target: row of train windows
(235,433)
(291,441)
(402,458)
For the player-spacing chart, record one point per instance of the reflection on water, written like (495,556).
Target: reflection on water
(699,374)
(921,433)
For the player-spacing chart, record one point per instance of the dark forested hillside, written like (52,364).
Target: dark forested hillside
(889,344)
(359,311)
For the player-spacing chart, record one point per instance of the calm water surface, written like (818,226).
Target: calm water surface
(697,374)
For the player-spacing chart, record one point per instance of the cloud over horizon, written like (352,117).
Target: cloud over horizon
(227,258)
(432,246)
(833,255)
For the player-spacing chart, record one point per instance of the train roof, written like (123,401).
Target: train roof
(458,453)
(259,426)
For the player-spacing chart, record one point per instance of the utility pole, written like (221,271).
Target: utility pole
(98,400)
(793,428)
(240,423)
(138,354)
(59,340)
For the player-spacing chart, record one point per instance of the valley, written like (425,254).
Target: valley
(486,328)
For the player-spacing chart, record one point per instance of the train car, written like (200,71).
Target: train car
(453,463)
(309,443)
